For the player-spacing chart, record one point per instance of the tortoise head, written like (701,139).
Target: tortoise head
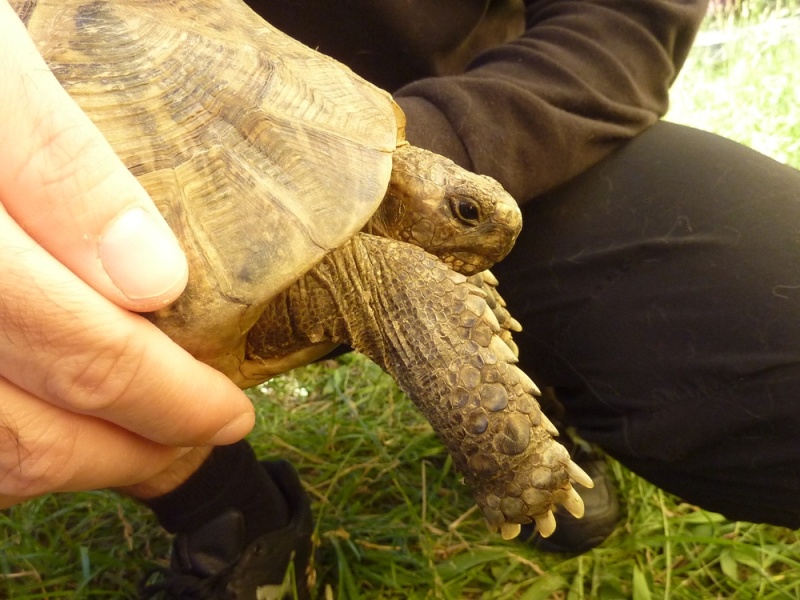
(467,220)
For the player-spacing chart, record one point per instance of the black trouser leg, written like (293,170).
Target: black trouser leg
(660,294)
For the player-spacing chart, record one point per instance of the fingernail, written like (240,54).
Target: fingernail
(235,430)
(142,257)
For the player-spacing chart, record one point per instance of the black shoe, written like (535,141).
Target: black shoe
(601,509)
(213,563)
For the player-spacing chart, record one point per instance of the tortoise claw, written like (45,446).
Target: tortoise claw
(489,316)
(546,524)
(506,337)
(510,530)
(579,475)
(573,503)
(528,383)
(502,351)
(489,278)
(551,429)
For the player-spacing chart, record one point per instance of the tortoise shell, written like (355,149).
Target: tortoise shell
(262,154)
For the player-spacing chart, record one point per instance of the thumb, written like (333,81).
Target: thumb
(61,181)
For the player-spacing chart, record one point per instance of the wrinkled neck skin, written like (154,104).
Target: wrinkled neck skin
(433,332)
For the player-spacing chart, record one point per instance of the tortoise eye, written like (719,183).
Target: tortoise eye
(466,211)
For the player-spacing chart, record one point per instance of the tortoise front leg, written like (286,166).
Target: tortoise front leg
(434,333)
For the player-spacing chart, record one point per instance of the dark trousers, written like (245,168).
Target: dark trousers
(660,295)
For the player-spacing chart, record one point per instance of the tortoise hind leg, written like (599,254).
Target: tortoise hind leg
(434,333)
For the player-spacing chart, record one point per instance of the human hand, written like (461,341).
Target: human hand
(91,395)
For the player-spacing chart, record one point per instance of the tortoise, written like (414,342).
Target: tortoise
(287,179)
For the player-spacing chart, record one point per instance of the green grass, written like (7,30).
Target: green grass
(393,521)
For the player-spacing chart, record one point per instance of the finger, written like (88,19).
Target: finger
(68,345)
(45,449)
(62,182)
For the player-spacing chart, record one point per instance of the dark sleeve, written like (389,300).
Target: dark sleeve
(585,76)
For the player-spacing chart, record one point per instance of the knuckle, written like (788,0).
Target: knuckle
(94,381)
(61,143)
(66,163)
(32,468)
(25,314)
